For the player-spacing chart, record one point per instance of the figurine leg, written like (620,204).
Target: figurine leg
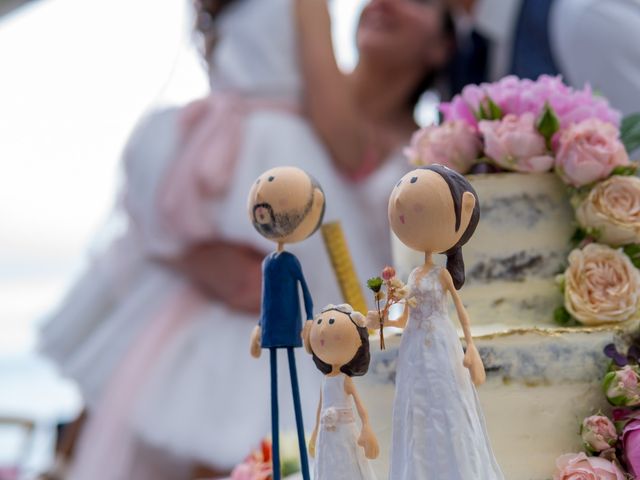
(275,433)
(302,444)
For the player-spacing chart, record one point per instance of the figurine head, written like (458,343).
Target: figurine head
(339,338)
(436,210)
(286,204)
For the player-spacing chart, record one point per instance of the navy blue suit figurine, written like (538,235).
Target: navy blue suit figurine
(286,205)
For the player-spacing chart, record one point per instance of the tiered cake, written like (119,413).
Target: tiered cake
(542,380)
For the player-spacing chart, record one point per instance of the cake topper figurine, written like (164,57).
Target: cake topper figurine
(438,427)
(285,205)
(339,342)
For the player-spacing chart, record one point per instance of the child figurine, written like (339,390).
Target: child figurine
(339,342)
(285,205)
(439,431)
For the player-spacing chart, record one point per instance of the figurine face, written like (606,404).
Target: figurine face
(334,338)
(422,212)
(285,205)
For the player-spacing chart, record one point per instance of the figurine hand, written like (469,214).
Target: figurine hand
(373,320)
(312,444)
(473,362)
(306,331)
(256,348)
(369,442)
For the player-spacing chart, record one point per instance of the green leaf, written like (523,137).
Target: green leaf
(630,132)
(578,236)
(625,170)
(548,123)
(375,284)
(489,110)
(562,317)
(633,252)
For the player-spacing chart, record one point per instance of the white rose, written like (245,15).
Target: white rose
(613,209)
(601,285)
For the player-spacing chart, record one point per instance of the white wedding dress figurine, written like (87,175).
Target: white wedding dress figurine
(439,431)
(338,455)
(156,361)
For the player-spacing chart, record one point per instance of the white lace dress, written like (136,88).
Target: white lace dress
(439,431)
(338,455)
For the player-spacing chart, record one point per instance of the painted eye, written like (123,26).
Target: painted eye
(332,321)
(271,179)
(398,184)
(319,321)
(414,179)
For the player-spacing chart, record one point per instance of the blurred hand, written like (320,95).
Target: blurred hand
(256,349)
(473,362)
(225,271)
(373,320)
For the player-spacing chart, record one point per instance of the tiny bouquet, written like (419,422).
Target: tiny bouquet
(396,292)
(611,444)
(529,126)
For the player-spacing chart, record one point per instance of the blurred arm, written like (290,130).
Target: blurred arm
(330,105)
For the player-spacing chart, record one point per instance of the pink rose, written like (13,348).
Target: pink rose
(515,144)
(598,433)
(388,273)
(577,466)
(589,151)
(621,387)
(631,445)
(453,144)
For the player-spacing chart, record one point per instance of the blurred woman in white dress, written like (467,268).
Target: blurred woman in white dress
(155,339)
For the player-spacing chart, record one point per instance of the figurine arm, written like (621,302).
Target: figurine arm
(367,438)
(308,301)
(472,359)
(314,435)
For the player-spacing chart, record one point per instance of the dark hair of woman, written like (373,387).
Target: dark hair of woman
(458,185)
(431,77)
(359,364)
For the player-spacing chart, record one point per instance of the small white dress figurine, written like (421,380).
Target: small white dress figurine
(339,343)
(439,431)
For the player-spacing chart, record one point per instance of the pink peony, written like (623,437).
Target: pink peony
(598,433)
(453,144)
(631,445)
(577,466)
(519,96)
(589,151)
(515,144)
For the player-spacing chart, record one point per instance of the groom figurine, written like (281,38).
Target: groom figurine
(286,205)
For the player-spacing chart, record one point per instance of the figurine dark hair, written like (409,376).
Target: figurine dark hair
(458,185)
(359,364)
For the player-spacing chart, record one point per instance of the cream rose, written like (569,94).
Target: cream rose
(601,285)
(613,209)
(454,144)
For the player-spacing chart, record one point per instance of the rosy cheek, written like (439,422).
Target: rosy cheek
(337,337)
(418,208)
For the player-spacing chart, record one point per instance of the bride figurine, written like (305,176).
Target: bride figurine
(339,343)
(439,430)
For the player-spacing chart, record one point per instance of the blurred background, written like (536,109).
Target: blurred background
(75,76)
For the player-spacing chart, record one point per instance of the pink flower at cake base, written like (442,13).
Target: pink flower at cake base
(514,143)
(631,446)
(598,433)
(622,387)
(588,152)
(613,210)
(577,466)
(453,144)
(601,285)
